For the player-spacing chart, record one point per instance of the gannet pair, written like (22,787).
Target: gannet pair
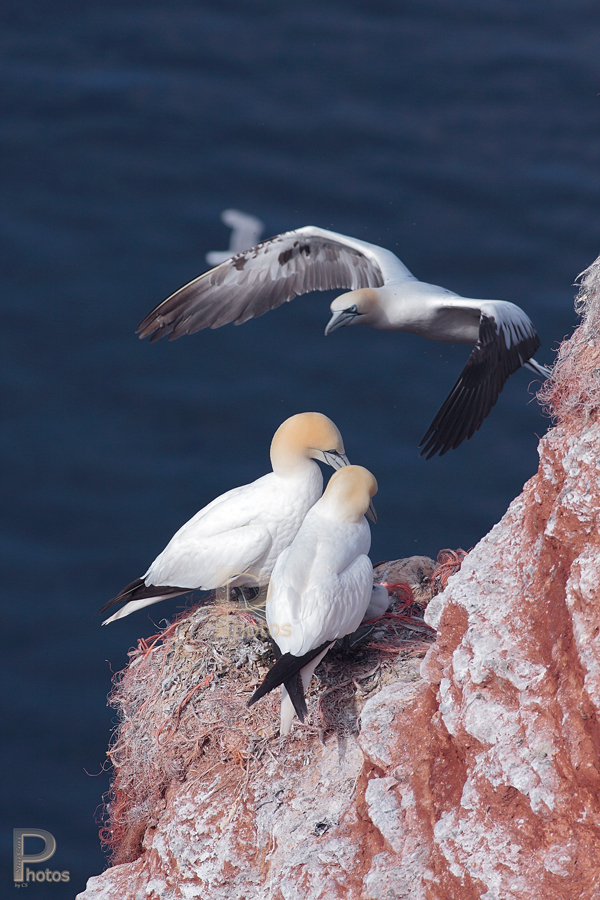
(237,538)
(383,294)
(320,588)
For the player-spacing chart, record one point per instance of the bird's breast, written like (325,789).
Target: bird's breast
(291,500)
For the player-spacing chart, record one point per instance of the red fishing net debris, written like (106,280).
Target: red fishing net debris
(183,714)
(573,390)
(449,563)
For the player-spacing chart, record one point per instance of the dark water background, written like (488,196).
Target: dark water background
(463,136)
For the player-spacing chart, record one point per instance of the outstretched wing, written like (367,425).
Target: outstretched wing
(507,340)
(263,277)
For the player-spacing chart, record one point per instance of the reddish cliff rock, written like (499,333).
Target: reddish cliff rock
(477,778)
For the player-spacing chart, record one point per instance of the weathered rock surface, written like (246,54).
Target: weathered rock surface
(480,778)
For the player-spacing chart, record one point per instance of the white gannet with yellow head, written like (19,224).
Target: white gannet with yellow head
(382,293)
(320,588)
(237,538)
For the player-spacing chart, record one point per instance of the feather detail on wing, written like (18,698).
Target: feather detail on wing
(336,609)
(507,340)
(223,530)
(205,562)
(233,509)
(262,278)
(325,611)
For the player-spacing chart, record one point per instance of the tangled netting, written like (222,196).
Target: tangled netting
(573,390)
(448,563)
(182,700)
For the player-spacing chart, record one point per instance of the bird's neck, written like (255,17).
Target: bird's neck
(338,508)
(293,465)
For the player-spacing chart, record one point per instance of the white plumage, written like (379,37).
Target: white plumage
(383,294)
(379,602)
(245,232)
(320,587)
(237,538)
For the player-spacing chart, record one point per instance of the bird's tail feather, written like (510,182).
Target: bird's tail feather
(287,713)
(538,368)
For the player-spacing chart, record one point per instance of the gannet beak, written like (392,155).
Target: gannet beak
(334,459)
(371,514)
(343,317)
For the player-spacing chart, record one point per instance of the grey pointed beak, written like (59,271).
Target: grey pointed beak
(371,514)
(343,317)
(334,459)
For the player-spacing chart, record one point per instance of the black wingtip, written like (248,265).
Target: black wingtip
(286,671)
(124,595)
(296,694)
(139,590)
(478,387)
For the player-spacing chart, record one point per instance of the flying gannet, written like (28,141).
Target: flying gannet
(383,294)
(237,538)
(320,588)
(245,232)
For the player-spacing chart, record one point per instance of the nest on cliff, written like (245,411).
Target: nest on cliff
(573,390)
(182,700)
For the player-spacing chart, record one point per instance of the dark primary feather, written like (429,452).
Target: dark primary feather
(478,387)
(243,287)
(296,694)
(137,590)
(286,671)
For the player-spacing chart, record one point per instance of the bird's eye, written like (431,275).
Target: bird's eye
(352,309)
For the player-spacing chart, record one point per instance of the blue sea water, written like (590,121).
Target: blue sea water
(465,137)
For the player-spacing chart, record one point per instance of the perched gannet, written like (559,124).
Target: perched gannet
(320,588)
(245,232)
(237,538)
(383,294)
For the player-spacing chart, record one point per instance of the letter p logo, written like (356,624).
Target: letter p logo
(19,857)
